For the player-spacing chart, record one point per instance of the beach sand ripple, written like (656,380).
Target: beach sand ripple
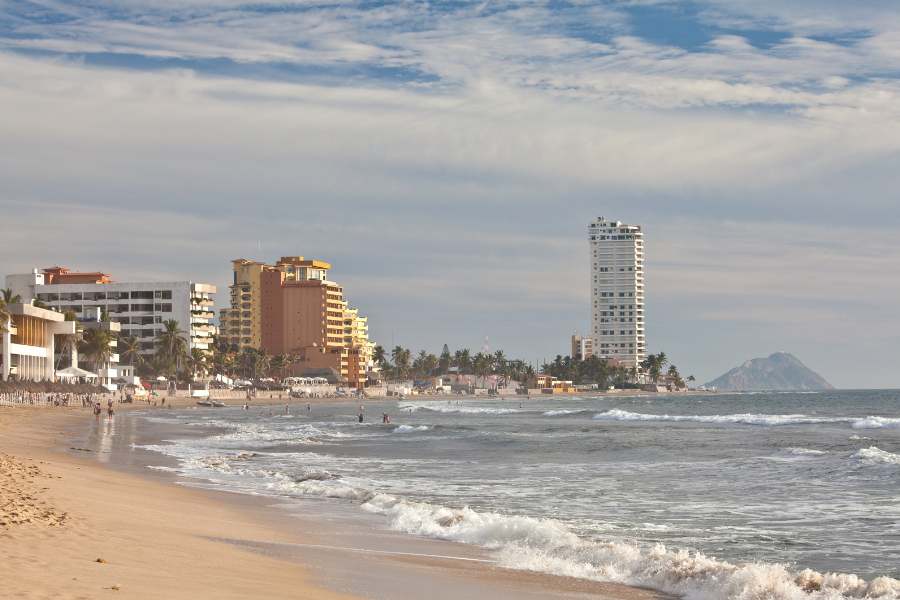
(21,495)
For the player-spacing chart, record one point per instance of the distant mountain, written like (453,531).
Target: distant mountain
(780,371)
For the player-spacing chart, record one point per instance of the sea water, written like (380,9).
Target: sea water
(767,495)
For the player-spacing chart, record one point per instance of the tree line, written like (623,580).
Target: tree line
(600,371)
(401,364)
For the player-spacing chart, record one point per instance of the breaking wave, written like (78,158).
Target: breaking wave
(876,456)
(806,452)
(548,546)
(411,428)
(562,411)
(743,419)
(876,423)
(751,419)
(473,410)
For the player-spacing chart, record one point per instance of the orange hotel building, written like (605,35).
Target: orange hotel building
(292,308)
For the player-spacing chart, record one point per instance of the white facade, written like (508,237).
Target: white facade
(139,307)
(582,347)
(27,342)
(617,291)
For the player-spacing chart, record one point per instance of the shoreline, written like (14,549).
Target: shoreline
(142,525)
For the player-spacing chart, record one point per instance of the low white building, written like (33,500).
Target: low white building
(29,339)
(140,308)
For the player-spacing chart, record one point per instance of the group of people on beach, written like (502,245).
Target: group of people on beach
(48,399)
(98,409)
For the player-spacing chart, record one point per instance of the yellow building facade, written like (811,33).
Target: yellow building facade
(241,324)
(291,307)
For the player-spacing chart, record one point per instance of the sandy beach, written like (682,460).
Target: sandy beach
(71,527)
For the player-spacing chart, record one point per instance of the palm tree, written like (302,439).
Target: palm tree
(248,363)
(263,364)
(418,365)
(463,360)
(4,315)
(278,364)
(401,357)
(67,346)
(130,350)
(9,297)
(171,347)
(500,362)
(197,363)
(482,364)
(430,364)
(6,298)
(95,345)
(379,357)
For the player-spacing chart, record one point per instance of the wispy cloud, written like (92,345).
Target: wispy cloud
(456,150)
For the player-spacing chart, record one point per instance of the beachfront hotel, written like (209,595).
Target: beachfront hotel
(292,308)
(139,308)
(28,342)
(617,291)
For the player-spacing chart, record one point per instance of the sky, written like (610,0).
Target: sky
(447,157)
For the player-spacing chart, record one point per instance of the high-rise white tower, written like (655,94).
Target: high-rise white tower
(617,291)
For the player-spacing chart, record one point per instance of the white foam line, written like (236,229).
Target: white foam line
(388,552)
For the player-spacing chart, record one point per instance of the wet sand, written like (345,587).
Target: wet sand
(81,492)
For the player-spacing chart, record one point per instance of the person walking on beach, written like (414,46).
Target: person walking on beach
(308,408)
(109,411)
(362,411)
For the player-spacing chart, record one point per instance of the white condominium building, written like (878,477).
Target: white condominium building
(617,291)
(139,307)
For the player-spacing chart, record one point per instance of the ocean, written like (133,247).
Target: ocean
(765,495)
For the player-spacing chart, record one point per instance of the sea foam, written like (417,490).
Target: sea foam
(876,423)
(743,419)
(561,412)
(449,408)
(411,428)
(548,546)
(876,456)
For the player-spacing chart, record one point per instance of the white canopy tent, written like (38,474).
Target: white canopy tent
(75,373)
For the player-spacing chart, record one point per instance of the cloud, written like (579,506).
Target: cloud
(447,158)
